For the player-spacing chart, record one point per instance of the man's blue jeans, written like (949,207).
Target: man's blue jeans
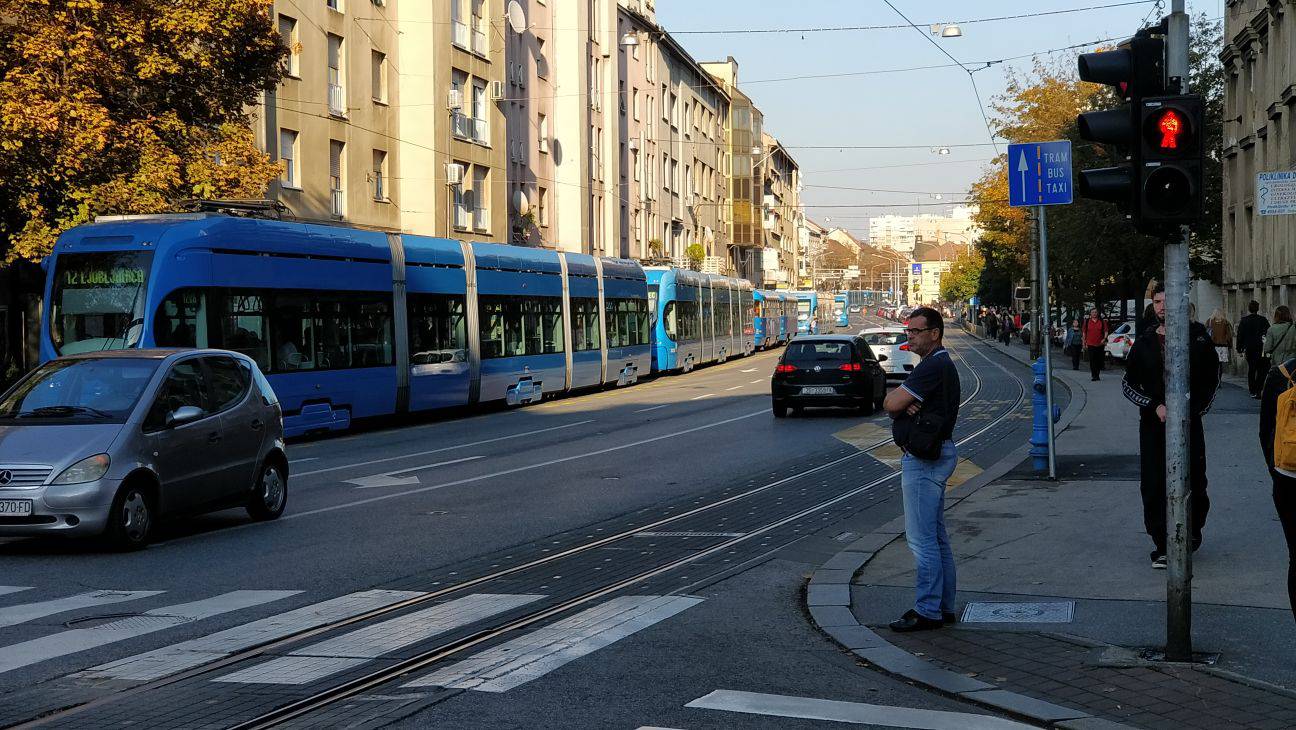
(923,485)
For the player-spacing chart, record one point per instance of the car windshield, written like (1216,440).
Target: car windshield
(886,338)
(810,353)
(91,390)
(97,302)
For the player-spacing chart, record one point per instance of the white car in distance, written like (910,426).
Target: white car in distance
(894,343)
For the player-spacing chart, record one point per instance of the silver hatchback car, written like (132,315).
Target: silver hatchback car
(108,443)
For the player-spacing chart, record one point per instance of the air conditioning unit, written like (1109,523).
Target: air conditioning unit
(634,145)
(690,200)
(455,100)
(454,173)
(497,90)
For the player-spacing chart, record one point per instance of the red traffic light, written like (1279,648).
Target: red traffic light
(1171,126)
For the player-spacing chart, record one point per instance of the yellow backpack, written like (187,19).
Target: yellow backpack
(1285,426)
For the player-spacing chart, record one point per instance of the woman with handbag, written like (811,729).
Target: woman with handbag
(1279,341)
(924,409)
(1221,333)
(1074,344)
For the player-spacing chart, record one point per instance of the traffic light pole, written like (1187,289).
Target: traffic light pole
(1178,554)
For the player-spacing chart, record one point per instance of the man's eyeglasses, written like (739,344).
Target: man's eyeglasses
(911,331)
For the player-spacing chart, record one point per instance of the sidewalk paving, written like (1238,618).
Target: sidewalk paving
(1080,542)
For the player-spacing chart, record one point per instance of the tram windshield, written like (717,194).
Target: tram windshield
(98,300)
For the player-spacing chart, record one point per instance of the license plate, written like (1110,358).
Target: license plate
(828,390)
(15,507)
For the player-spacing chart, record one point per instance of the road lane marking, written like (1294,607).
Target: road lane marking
(515,470)
(177,658)
(749,370)
(645,410)
(6,590)
(389,479)
(22,613)
(704,395)
(444,448)
(856,713)
(73,641)
(756,381)
(539,652)
(360,646)
(303,461)
(736,387)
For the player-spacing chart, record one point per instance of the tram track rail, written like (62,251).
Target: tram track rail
(425,658)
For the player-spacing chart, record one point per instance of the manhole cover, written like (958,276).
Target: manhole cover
(127,621)
(1019,613)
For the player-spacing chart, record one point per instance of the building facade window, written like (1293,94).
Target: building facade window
(481,199)
(461,122)
(288,32)
(378,73)
(379,173)
(336,89)
(291,177)
(335,5)
(542,133)
(459,34)
(542,205)
(463,201)
(480,124)
(337,176)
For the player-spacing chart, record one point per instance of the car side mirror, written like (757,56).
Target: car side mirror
(183,415)
(882,358)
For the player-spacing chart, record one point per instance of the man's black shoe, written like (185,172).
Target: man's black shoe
(949,617)
(914,621)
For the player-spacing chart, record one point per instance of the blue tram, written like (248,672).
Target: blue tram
(699,318)
(807,311)
(775,318)
(351,323)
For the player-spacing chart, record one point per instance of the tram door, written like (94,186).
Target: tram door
(708,326)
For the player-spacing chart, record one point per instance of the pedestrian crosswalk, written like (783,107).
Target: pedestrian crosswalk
(530,655)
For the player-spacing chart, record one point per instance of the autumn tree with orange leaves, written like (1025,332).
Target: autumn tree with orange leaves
(127,106)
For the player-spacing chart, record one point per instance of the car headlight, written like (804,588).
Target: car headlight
(86,470)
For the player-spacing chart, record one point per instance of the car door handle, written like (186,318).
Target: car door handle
(214,437)
(257,424)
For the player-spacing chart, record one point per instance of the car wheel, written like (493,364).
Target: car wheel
(780,410)
(130,519)
(270,495)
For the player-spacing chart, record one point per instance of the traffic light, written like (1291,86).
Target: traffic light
(1135,69)
(1171,149)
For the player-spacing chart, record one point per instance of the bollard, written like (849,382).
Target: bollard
(1039,409)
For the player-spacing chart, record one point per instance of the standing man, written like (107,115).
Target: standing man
(1144,386)
(1250,342)
(927,403)
(1095,342)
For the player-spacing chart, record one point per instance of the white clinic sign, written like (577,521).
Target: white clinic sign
(1276,193)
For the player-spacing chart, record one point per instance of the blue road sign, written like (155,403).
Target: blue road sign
(917,269)
(1039,173)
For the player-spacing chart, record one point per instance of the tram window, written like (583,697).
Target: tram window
(517,326)
(437,329)
(585,324)
(492,327)
(182,319)
(668,320)
(242,325)
(652,304)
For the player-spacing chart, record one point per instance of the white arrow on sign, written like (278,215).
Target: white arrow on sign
(1022,167)
(390,479)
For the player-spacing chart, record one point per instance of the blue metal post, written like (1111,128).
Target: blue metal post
(1039,439)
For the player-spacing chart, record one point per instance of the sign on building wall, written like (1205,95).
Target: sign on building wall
(1276,192)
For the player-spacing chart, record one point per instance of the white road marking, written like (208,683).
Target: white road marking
(444,448)
(22,613)
(756,381)
(6,590)
(704,395)
(645,410)
(515,470)
(749,370)
(539,652)
(189,654)
(303,461)
(389,479)
(73,641)
(354,648)
(857,713)
(736,387)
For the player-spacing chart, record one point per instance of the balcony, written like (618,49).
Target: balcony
(481,131)
(462,218)
(338,197)
(481,219)
(459,35)
(336,100)
(480,46)
(462,125)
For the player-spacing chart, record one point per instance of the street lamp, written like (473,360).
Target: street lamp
(946,30)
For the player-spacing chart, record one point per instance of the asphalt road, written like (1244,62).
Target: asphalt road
(420,508)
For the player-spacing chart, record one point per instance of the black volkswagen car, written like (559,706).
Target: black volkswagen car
(828,370)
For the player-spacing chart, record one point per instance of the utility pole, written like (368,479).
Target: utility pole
(1178,510)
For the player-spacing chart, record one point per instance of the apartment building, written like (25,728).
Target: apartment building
(811,236)
(781,202)
(743,219)
(530,120)
(904,232)
(1259,58)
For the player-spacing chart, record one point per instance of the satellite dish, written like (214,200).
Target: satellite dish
(520,202)
(516,17)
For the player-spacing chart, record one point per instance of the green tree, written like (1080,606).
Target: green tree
(127,106)
(963,278)
(696,254)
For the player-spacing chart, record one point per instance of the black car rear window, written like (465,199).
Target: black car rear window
(817,352)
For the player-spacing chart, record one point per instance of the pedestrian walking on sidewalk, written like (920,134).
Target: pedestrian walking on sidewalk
(1007,327)
(1144,386)
(992,325)
(1284,483)
(924,409)
(1095,342)
(1250,342)
(1074,345)
(1280,341)
(1221,333)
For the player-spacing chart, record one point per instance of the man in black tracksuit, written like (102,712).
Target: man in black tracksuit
(1145,386)
(1250,342)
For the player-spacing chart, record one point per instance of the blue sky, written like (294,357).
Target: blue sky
(928,108)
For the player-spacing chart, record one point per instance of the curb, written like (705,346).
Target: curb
(828,601)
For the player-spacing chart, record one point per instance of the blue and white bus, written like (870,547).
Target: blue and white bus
(699,318)
(351,323)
